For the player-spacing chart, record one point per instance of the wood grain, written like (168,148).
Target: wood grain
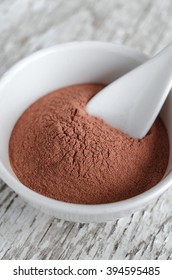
(26,26)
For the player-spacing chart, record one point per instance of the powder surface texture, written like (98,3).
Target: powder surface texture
(60,151)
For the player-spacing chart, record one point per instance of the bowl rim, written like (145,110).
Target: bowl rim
(73,208)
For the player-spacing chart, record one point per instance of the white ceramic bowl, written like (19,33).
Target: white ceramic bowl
(59,66)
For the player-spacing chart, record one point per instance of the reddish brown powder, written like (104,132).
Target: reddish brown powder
(60,151)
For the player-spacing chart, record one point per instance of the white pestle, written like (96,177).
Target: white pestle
(132,102)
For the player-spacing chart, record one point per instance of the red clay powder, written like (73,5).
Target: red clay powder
(60,151)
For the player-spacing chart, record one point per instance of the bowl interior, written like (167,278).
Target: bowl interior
(57,67)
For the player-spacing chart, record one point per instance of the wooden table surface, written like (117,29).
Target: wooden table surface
(28,25)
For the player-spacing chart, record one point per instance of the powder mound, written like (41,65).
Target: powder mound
(60,151)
